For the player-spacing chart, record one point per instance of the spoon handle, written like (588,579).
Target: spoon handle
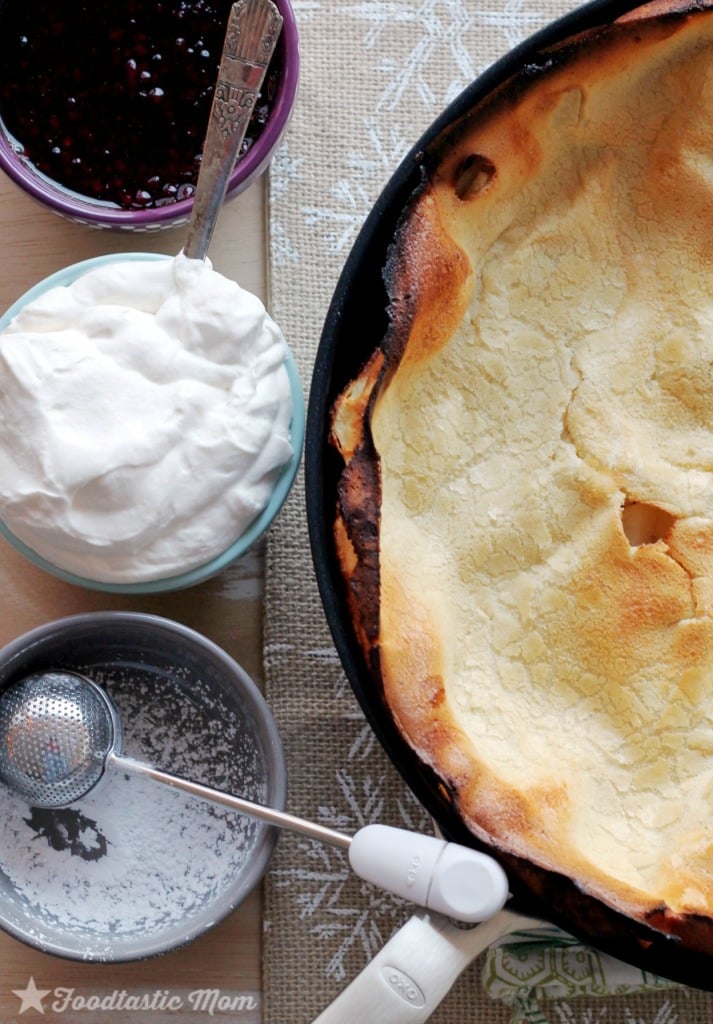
(250,40)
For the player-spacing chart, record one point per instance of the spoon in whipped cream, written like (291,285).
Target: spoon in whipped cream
(250,40)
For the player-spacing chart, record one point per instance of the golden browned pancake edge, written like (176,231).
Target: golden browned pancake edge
(525,521)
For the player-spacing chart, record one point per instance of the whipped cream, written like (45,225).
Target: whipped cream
(144,416)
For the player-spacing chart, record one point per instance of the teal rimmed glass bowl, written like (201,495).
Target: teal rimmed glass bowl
(241,544)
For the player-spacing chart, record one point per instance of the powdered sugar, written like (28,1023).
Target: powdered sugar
(134,858)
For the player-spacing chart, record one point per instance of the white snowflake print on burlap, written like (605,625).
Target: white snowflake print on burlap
(323,885)
(345,915)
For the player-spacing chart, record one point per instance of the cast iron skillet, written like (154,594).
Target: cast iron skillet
(356,321)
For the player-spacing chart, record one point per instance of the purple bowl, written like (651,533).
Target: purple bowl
(249,167)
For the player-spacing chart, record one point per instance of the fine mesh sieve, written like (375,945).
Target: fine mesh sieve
(55,732)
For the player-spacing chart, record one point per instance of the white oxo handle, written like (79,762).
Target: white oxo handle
(451,879)
(431,872)
(415,970)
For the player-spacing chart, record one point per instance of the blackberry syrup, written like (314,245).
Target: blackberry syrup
(112,100)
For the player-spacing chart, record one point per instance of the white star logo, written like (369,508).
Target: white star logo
(31,996)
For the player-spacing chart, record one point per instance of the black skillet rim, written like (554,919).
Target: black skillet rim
(351,328)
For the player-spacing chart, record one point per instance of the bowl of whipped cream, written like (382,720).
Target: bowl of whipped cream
(151,422)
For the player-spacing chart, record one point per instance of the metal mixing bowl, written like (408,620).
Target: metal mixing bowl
(135,868)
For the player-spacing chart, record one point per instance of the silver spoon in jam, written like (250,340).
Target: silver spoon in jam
(250,39)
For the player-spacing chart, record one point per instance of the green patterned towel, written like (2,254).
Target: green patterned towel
(527,968)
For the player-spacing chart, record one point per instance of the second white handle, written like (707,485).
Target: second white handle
(415,970)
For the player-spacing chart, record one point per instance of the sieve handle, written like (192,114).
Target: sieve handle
(429,871)
(283,819)
(424,869)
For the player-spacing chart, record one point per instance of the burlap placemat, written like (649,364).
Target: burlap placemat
(374,75)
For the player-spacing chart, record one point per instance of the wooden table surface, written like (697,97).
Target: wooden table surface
(228,609)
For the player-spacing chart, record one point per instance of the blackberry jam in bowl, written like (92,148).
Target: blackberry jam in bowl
(104,107)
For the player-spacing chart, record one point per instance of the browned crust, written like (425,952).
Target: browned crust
(441,281)
(356,524)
